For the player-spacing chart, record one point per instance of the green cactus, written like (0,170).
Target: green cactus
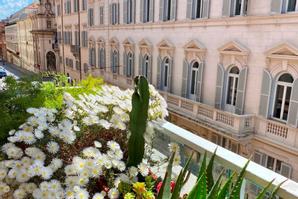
(138,121)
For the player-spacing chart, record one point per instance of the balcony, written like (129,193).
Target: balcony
(256,175)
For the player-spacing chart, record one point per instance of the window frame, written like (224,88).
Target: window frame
(235,77)
(194,9)
(285,85)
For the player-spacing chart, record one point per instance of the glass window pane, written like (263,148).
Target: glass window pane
(278,101)
(291,5)
(286,78)
(238,7)
(166,76)
(235,91)
(270,162)
(278,166)
(193,82)
(287,103)
(198,11)
(230,90)
(234,70)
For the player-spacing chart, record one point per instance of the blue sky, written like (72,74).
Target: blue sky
(8,7)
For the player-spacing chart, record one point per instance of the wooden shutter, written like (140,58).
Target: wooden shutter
(150,69)
(219,86)
(117,63)
(240,98)
(189,9)
(112,62)
(151,10)
(161,9)
(226,8)
(276,6)
(125,11)
(104,58)
(171,65)
(184,88)
(99,58)
(125,64)
(134,11)
(173,10)
(200,82)
(206,9)
(159,73)
(117,13)
(286,170)
(265,94)
(94,56)
(142,11)
(258,157)
(244,7)
(141,62)
(293,112)
(133,66)
(111,14)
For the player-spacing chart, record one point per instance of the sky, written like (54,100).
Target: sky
(8,7)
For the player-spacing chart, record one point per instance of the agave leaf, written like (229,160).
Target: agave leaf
(180,179)
(273,194)
(203,166)
(199,191)
(165,190)
(215,188)
(264,191)
(210,180)
(235,192)
(225,189)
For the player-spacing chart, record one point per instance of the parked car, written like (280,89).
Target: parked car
(2,73)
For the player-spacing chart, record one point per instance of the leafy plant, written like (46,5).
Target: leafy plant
(138,121)
(206,187)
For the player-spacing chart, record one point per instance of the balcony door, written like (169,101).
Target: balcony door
(165,74)
(282,97)
(233,80)
(193,78)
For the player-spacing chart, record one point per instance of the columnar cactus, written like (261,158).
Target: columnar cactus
(138,121)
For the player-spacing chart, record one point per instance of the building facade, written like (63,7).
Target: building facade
(2,41)
(228,69)
(12,46)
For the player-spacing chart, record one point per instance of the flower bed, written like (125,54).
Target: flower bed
(80,150)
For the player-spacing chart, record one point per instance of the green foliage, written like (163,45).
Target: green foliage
(19,95)
(206,187)
(138,121)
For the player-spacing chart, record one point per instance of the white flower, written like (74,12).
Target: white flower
(133,171)
(38,134)
(4,188)
(99,195)
(19,194)
(105,124)
(144,169)
(97,144)
(113,193)
(82,194)
(113,145)
(53,147)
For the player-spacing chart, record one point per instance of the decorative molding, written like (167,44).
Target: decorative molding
(195,50)
(129,45)
(166,48)
(145,47)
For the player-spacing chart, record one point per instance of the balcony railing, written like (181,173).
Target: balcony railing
(256,175)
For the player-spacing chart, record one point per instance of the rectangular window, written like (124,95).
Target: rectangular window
(68,7)
(115,13)
(84,39)
(58,10)
(235,8)
(90,17)
(84,4)
(101,15)
(197,8)
(75,5)
(291,6)
(77,38)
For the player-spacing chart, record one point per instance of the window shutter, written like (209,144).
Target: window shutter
(293,112)
(189,9)
(125,57)
(219,86)
(171,65)
(158,82)
(151,10)
(133,11)
(142,11)
(161,9)
(286,170)
(94,56)
(244,7)
(199,82)
(150,69)
(265,94)
(185,79)
(89,56)
(276,6)
(206,8)
(226,8)
(92,17)
(240,98)
(173,10)
(112,62)
(125,11)
(117,13)
(141,64)
(133,66)
(99,58)
(258,157)
(111,14)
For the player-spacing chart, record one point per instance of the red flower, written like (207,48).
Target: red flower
(160,184)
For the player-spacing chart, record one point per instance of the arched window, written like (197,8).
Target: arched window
(233,78)
(129,65)
(92,57)
(145,66)
(282,96)
(115,62)
(193,78)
